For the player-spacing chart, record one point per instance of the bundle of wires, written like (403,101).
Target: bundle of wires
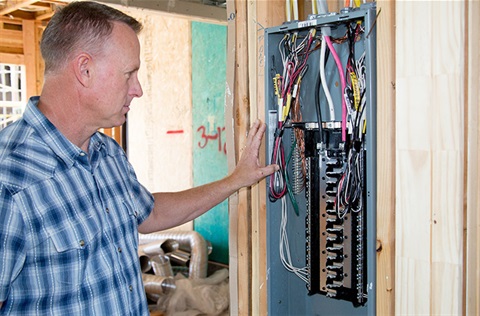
(294,53)
(350,187)
(284,249)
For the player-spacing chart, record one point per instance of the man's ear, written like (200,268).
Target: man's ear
(83,69)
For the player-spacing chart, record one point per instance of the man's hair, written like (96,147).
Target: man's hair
(80,25)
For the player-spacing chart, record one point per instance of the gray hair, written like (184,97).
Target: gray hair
(85,25)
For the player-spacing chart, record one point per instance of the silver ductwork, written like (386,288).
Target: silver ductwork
(156,285)
(151,245)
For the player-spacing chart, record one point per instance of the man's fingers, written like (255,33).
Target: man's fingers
(268,170)
(256,132)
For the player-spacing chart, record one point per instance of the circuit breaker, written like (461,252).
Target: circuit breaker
(321,209)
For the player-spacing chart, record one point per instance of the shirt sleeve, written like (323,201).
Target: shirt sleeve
(12,241)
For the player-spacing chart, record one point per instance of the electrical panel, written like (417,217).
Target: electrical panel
(320,104)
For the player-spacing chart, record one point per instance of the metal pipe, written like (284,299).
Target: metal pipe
(161,266)
(191,239)
(156,284)
(180,257)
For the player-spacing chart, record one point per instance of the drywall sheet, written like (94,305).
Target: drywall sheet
(208,116)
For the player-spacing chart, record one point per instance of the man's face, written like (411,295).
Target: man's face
(116,78)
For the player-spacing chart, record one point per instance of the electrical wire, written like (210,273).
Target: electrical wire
(288,10)
(326,90)
(343,85)
(294,53)
(291,9)
(284,246)
(322,6)
(295,9)
(350,188)
(314,7)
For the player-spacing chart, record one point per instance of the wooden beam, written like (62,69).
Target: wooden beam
(385,158)
(45,16)
(472,143)
(178,7)
(40,64)
(6,58)
(251,19)
(10,9)
(265,14)
(231,157)
(241,125)
(29,52)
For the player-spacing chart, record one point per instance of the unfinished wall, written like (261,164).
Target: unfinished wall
(160,122)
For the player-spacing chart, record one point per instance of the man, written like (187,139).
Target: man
(70,204)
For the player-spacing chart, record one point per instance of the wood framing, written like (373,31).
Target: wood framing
(30,47)
(472,166)
(187,9)
(386,158)
(262,14)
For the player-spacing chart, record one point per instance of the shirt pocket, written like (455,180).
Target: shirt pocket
(73,246)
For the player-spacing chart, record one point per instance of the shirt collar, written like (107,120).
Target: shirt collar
(60,145)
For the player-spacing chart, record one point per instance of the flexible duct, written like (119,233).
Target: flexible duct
(191,239)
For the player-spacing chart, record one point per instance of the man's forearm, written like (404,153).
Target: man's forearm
(176,208)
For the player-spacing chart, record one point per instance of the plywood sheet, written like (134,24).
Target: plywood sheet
(429,157)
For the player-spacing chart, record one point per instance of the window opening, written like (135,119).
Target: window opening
(12,93)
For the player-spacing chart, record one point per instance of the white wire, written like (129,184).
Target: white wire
(323,51)
(295,9)
(282,54)
(322,6)
(285,255)
(288,10)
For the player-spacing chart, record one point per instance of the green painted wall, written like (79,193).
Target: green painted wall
(209,56)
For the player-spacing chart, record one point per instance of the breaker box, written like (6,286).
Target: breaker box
(321,207)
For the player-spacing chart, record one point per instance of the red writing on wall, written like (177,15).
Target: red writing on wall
(215,136)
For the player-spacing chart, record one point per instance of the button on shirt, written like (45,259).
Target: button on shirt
(68,223)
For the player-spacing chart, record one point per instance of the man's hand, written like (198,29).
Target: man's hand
(248,170)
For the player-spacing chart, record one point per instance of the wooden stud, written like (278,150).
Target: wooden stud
(471,299)
(241,124)
(268,14)
(231,157)
(385,158)
(29,53)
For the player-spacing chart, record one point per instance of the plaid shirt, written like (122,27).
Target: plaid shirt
(68,223)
